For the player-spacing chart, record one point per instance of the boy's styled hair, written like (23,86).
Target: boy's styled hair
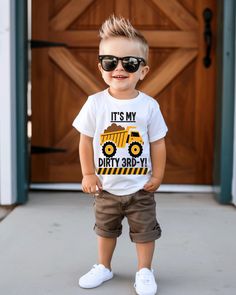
(121,27)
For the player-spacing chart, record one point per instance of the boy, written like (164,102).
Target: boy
(122,153)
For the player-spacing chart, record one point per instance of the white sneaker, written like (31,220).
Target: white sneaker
(95,277)
(145,283)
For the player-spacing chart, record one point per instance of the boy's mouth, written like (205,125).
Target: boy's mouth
(119,77)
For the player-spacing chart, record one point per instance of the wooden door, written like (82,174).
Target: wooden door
(64,75)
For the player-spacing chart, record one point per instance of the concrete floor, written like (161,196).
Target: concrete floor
(47,244)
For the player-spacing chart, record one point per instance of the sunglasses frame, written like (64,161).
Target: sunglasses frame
(139,59)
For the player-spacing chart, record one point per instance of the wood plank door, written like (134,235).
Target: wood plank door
(64,73)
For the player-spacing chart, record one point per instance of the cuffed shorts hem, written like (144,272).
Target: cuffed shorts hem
(145,237)
(105,234)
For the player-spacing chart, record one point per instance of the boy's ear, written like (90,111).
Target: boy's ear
(100,67)
(144,72)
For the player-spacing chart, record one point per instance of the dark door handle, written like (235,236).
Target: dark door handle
(207,15)
(44,43)
(46,150)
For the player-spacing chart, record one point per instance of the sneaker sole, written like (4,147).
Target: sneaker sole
(95,286)
(145,293)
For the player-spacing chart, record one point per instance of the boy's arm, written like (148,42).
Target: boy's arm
(158,159)
(90,180)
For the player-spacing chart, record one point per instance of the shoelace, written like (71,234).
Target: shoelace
(145,279)
(94,269)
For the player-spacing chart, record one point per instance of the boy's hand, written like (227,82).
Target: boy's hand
(152,185)
(90,183)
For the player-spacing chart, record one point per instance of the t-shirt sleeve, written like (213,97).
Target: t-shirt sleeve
(85,120)
(157,128)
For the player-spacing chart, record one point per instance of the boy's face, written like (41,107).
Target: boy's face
(122,83)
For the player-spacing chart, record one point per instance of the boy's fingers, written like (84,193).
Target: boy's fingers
(93,189)
(148,184)
(89,190)
(99,184)
(85,190)
(147,188)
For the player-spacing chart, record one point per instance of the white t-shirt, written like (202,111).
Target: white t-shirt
(122,131)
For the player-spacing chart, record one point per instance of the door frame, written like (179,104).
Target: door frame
(19,15)
(224,114)
(224,120)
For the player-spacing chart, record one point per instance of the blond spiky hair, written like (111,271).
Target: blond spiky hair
(121,27)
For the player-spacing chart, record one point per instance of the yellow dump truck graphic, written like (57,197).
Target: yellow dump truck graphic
(110,141)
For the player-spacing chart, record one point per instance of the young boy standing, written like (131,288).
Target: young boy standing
(122,153)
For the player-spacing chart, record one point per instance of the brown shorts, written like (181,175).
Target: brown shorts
(140,210)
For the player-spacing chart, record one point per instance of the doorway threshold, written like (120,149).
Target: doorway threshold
(165,188)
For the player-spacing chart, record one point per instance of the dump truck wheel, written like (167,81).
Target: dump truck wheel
(109,149)
(135,149)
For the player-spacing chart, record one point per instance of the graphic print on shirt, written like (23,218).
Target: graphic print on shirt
(116,137)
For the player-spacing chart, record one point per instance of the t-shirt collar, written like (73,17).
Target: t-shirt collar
(122,101)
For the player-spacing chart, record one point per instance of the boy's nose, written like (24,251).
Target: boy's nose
(119,66)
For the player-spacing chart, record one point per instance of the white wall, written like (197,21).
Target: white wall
(7,109)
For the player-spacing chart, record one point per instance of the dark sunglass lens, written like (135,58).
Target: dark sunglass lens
(109,63)
(130,64)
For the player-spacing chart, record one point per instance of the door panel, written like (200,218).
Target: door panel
(63,77)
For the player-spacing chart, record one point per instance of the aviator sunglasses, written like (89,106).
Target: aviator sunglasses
(129,63)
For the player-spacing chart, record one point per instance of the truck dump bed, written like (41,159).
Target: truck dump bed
(118,137)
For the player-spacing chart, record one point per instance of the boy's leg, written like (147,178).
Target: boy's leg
(100,273)
(145,253)
(144,279)
(106,247)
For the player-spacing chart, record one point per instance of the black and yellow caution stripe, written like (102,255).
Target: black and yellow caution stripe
(124,171)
